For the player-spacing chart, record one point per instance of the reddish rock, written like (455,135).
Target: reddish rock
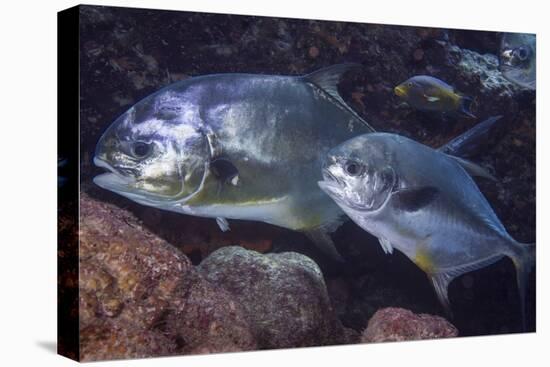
(141,297)
(398,324)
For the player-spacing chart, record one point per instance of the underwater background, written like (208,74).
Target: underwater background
(127,54)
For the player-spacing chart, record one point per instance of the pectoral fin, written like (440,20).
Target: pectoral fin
(413,199)
(223,224)
(431,98)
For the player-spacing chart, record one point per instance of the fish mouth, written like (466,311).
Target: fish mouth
(112,180)
(329,177)
(332,186)
(399,91)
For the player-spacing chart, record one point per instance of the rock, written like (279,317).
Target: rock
(479,76)
(141,297)
(284,296)
(398,324)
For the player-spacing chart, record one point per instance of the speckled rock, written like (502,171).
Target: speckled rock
(398,324)
(284,296)
(482,68)
(141,297)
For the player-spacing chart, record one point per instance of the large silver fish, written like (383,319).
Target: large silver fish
(518,59)
(237,146)
(425,204)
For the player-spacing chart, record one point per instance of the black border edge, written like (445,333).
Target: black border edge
(68,182)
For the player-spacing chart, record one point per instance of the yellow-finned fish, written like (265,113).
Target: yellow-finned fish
(427,93)
(424,203)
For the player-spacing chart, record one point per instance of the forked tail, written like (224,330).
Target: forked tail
(465,104)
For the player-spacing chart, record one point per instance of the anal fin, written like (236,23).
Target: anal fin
(443,277)
(441,283)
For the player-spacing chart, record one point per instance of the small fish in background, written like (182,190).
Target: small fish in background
(518,59)
(425,204)
(426,93)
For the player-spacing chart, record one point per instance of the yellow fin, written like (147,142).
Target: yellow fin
(423,259)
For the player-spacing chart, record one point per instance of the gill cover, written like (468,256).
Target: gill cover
(154,152)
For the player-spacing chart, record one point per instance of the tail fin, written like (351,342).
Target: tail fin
(524,260)
(465,104)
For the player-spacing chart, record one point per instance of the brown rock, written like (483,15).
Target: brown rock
(284,296)
(141,297)
(398,324)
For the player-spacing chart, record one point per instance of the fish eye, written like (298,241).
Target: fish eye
(353,168)
(522,53)
(409,84)
(141,149)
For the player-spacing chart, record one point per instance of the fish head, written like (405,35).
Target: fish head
(518,58)
(155,152)
(357,174)
(403,89)
(515,57)
(516,50)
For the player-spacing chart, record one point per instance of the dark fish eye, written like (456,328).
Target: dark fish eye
(141,149)
(353,168)
(522,53)
(409,84)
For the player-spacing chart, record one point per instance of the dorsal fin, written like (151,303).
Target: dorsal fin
(470,142)
(327,79)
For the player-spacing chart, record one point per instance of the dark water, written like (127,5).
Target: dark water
(126,54)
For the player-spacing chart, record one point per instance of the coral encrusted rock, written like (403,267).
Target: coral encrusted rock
(141,297)
(284,296)
(398,324)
